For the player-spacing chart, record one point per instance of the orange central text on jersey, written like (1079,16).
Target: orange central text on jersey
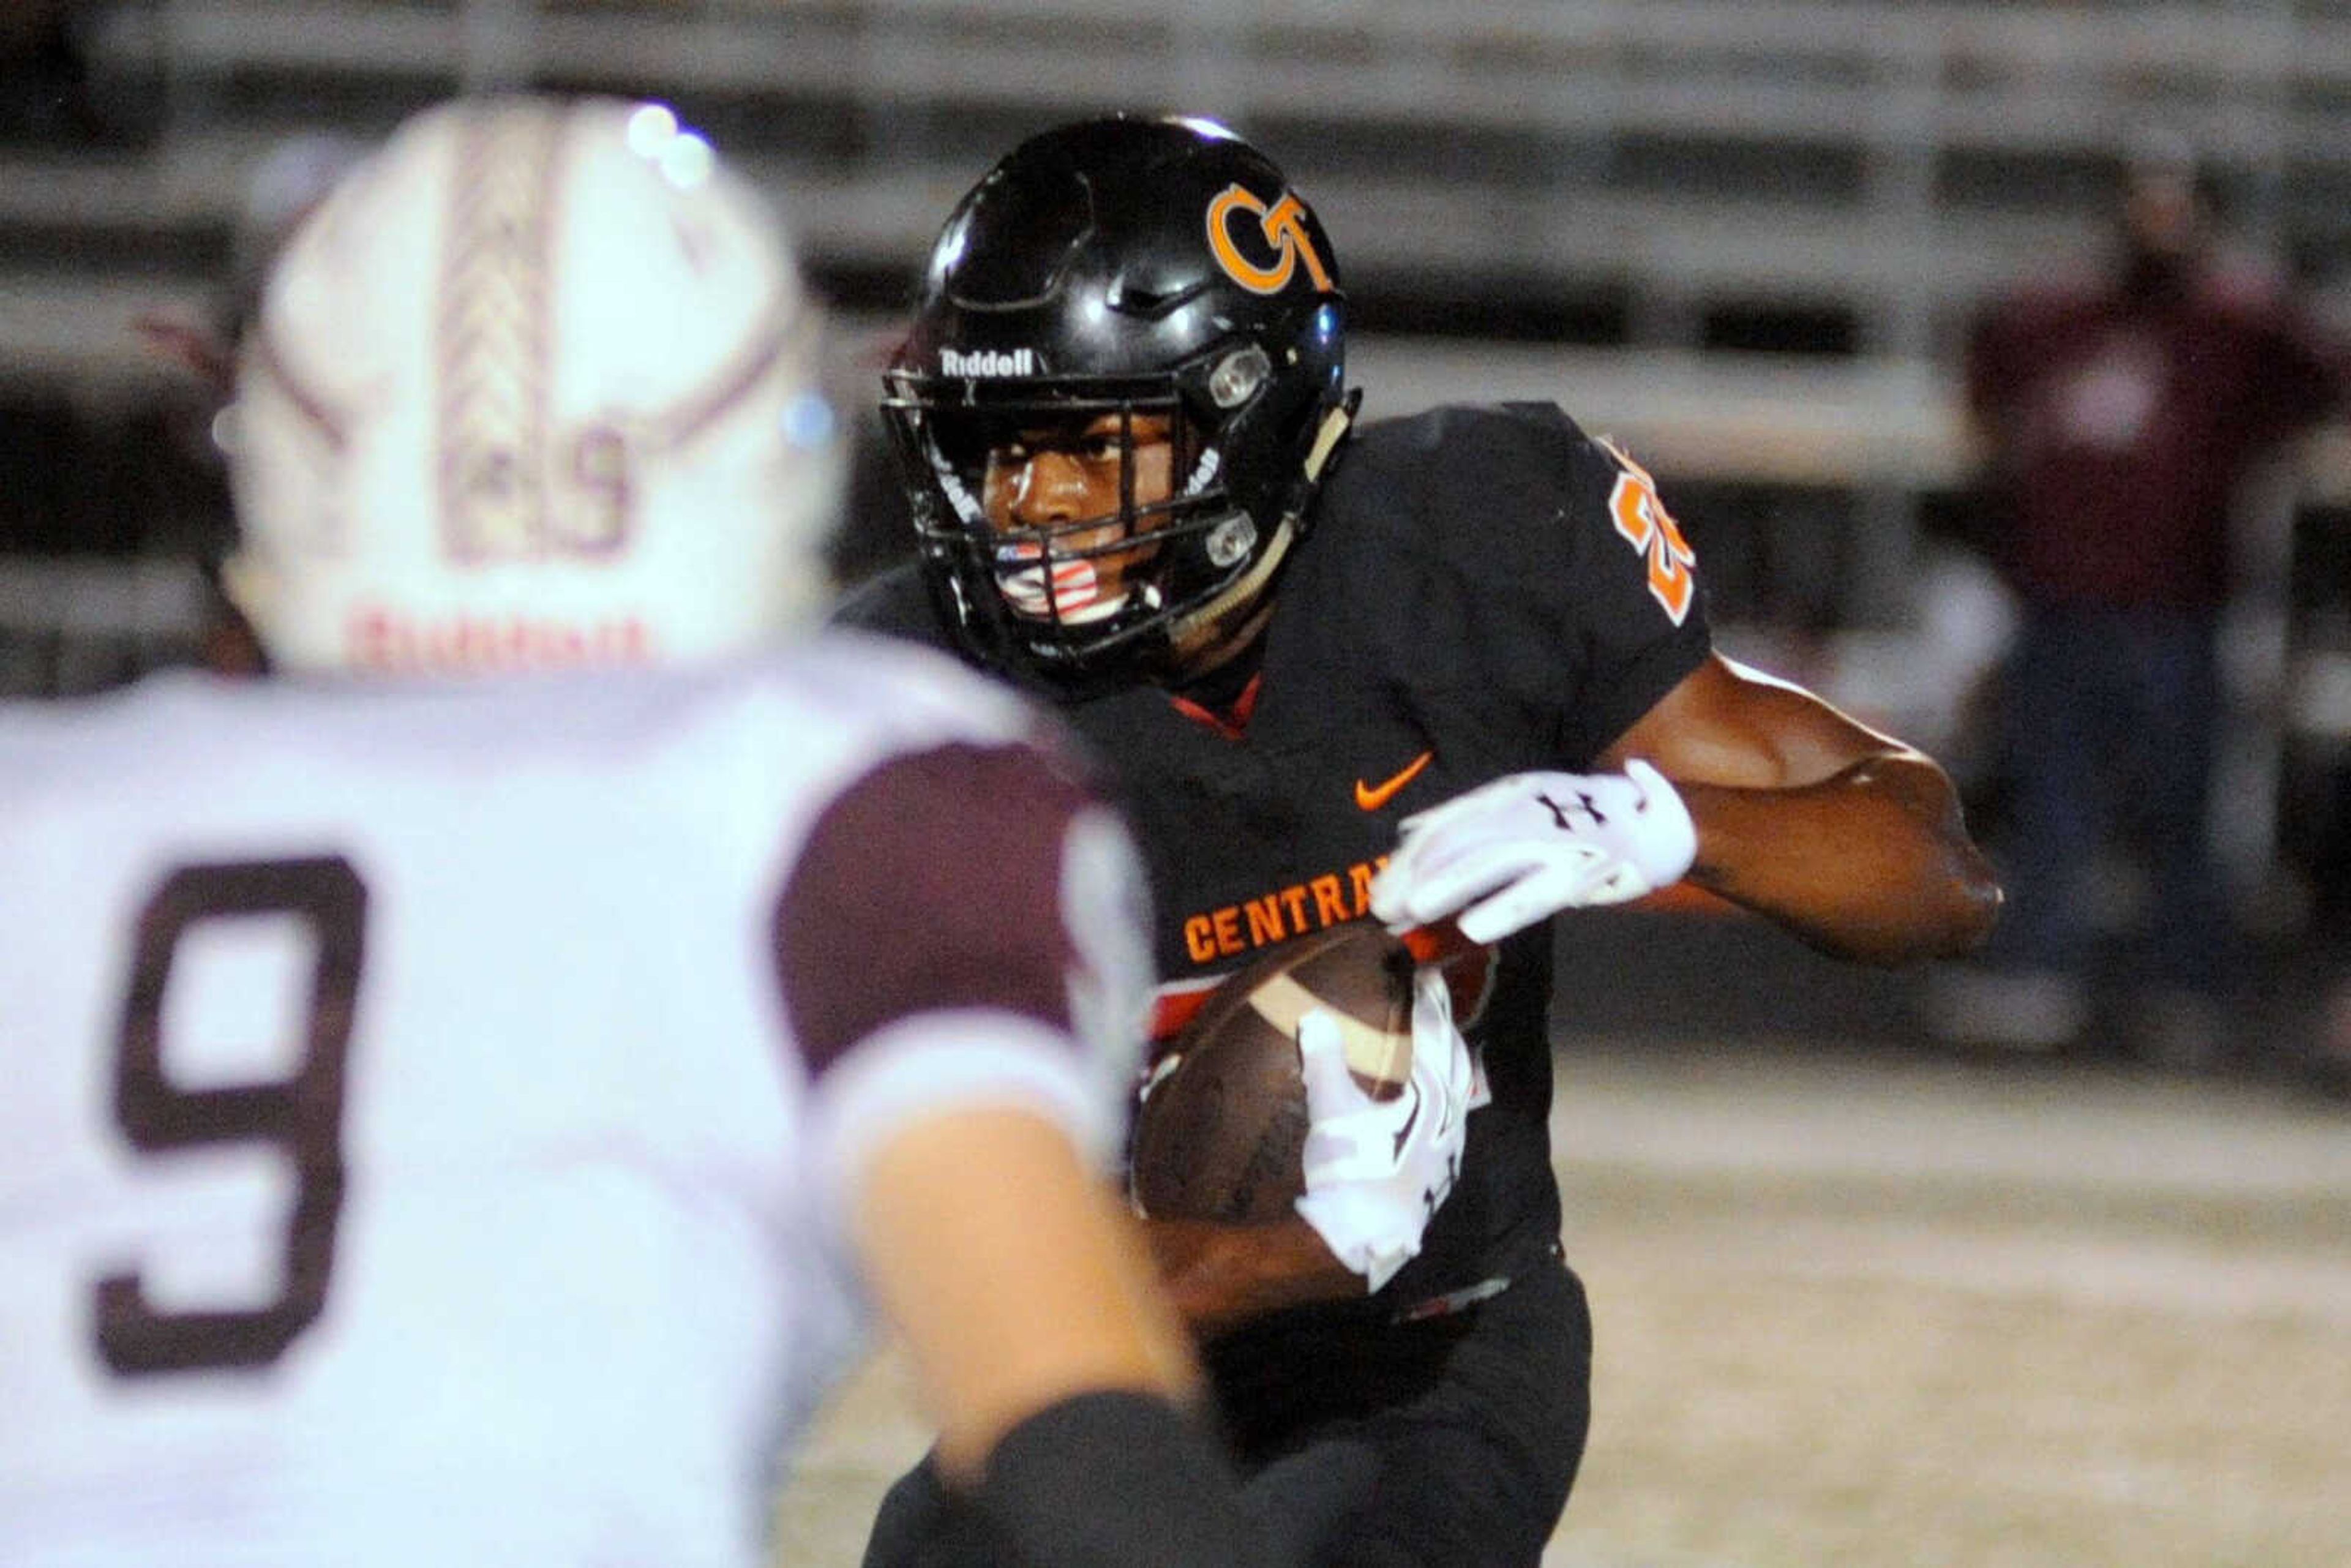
(1286,912)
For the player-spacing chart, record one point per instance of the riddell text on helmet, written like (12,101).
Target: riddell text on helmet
(989,363)
(389,640)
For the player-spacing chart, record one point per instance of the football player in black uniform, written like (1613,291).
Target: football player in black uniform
(1139,487)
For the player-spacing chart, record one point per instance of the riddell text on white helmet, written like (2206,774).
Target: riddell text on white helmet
(988,362)
(389,641)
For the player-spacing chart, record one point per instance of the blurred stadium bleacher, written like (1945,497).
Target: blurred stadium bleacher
(1740,235)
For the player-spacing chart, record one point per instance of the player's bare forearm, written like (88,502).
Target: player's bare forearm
(1015,1294)
(1847,837)
(1220,1276)
(1872,863)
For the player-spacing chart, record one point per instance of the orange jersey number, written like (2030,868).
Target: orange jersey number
(1644,521)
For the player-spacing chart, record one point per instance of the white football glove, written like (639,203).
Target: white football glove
(1509,853)
(1377,1169)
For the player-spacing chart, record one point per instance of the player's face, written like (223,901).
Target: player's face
(1071,477)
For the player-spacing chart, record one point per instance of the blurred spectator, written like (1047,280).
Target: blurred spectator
(43,77)
(2119,418)
(58,85)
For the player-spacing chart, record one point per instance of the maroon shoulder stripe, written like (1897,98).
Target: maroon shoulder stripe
(933,883)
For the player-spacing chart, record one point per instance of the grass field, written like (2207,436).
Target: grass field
(1887,1311)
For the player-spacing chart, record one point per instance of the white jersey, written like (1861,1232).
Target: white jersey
(431,1111)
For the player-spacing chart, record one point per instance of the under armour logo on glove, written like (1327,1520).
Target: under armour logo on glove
(1586,806)
(1514,852)
(1430,1197)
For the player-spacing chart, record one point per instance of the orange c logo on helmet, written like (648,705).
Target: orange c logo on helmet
(1283,230)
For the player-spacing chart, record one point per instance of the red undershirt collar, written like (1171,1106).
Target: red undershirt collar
(1232,723)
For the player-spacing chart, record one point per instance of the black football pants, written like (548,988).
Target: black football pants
(1432,1445)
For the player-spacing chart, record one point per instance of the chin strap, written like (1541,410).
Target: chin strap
(1335,424)
(1219,619)
(1205,627)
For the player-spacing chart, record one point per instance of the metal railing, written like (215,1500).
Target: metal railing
(1681,148)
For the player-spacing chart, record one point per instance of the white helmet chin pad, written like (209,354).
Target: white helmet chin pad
(538,384)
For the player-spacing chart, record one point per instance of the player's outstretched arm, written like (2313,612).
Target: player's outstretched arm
(1060,1379)
(1850,839)
(1742,784)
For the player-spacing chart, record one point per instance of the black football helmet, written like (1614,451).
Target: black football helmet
(1107,271)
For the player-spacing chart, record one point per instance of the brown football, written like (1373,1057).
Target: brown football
(1221,1132)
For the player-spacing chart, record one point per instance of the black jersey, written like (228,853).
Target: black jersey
(1483,591)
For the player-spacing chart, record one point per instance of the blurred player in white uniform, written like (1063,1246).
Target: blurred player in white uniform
(461,1122)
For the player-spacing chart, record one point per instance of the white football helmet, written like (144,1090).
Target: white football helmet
(537,385)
